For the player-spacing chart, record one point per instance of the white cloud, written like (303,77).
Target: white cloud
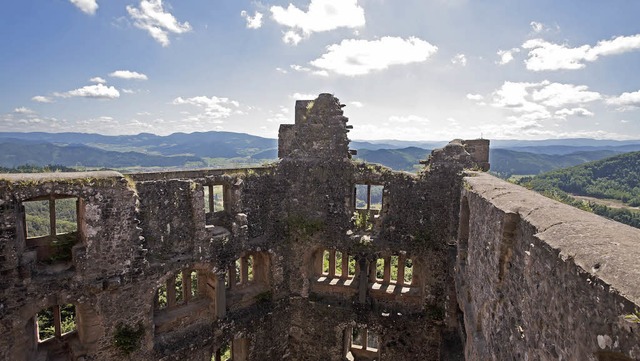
(506,56)
(128,91)
(357,104)
(536,26)
(126,74)
(97,79)
(23,110)
(534,102)
(87,6)
(42,99)
(291,37)
(214,109)
(152,17)
(280,70)
(303,96)
(581,112)
(359,57)
(303,69)
(626,101)
(558,95)
(475,96)
(459,59)
(99,91)
(412,119)
(544,55)
(321,15)
(253,22)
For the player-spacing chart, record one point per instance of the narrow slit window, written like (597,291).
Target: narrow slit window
(339,264)
(325,262)
(352,267)
(408,271)
(394,268)
(161,296)
(250,269)
(238,274)
(357,338)
(194,284)
(179,288)
(380,269)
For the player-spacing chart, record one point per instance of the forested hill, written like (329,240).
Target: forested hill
(617,177)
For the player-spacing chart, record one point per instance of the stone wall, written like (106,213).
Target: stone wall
(281,262)
(540,280)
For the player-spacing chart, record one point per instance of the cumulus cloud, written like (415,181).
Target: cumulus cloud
(536,26)
(151,16)
(97,79)
(581,112)
(460,59)
(98,91)
(213,109)
(129,75)
(253,22)
(626,101)
(506,56)
(359,57)
(42,99)
(23,110)
(533,102)
(544,55)
(475,97)
(321,15)
(87,6)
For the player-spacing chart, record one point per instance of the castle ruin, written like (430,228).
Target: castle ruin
(315,257)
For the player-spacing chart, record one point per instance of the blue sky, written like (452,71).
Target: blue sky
(406,69)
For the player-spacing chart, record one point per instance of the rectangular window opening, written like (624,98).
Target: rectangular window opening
(46,328)
(372,341)
(66,215)
(357,338)
(67,318)
(37,218)
(250,269)
(237,280)
(194,283)
(325,262)
(408,271)
(161,297)
(380,269)
(361,196)
(339,264)
(375,197)
(179,289)
(394,268)
(352,267)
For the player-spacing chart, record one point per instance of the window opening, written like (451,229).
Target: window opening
(56,321)
(223,353)
(214,198)
(194,284)
(51,227)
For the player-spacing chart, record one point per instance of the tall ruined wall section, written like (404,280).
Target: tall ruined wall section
(540,280)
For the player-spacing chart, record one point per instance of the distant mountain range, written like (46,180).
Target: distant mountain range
(202,149)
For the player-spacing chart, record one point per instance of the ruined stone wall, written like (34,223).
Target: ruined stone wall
(540,280)
(285,264)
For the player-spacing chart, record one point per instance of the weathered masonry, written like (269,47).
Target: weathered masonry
(316,257)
